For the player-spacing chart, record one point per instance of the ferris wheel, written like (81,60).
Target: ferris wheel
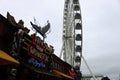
(72,34)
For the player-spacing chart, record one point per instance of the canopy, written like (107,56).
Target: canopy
(5,59)
(62,74)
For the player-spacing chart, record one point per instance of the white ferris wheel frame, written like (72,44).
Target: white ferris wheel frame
(69,48)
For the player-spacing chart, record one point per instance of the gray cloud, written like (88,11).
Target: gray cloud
(101,36)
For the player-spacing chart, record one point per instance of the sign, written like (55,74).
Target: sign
(36,63)
(37,40)
(34,52)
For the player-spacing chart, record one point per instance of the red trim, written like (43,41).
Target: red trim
(72,73)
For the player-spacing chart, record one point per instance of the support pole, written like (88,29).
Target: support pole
(89,68)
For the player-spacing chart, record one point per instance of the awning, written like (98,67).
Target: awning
(62,74)
(5,59)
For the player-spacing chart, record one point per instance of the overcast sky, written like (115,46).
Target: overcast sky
(101,28)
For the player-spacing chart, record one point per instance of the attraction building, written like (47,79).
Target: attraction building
(25,56)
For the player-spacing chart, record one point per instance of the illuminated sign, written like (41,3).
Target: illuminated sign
(33,46)
(36,63)
(37,41)
(34,52)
